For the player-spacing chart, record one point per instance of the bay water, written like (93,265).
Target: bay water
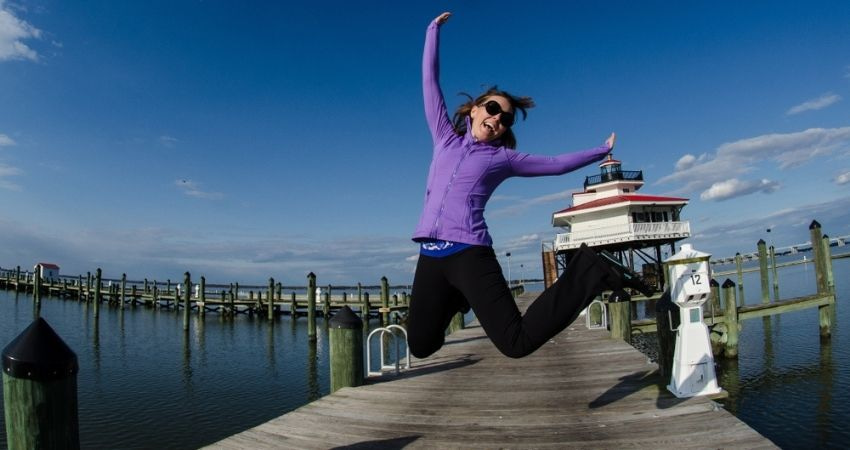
(144,383)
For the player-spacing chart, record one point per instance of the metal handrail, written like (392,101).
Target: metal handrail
(603,320)
(632,175)
(384,366)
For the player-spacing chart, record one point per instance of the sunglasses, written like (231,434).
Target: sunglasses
(493,108)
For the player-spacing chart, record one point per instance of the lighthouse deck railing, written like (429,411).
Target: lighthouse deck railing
(620,233)
(628,175)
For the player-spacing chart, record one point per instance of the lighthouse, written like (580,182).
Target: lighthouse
(610,214)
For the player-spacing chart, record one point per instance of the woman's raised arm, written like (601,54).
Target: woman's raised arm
(528,165)
(435,106)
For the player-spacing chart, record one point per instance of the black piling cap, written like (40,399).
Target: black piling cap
(346,319)
(619,296)
(39,354)
(760,242)
(713,283)
(728,283)
(814,225)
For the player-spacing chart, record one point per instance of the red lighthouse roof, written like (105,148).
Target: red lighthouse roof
(624,199)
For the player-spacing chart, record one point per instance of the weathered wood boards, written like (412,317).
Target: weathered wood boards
(582,389)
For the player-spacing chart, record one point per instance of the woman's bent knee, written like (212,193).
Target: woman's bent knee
(423,351)
(516,351)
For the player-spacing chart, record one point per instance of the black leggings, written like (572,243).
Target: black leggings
(444,286)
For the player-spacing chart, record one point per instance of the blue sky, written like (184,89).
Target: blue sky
(243,140)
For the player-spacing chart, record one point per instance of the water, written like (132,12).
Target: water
(788,384)
(143,383)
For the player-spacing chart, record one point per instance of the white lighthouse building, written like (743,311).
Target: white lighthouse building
(610,214)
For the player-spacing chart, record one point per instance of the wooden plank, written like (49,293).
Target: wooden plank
(796,304)
(750,311)
(582,389)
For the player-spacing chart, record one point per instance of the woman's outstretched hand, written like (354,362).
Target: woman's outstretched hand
(610,141)
(443,18)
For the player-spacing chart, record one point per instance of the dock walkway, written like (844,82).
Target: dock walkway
(580,390)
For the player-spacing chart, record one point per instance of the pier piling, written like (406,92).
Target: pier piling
(40,390)
(457,323)
(36,295)
(730,349)
(739,266)
(123,289)
(311,306)
(202,297)
(385,302)
(621,318)
(765,282)
(187,293)
(827,265)
(97,280)
(364,309)
(346,349)
(271,300)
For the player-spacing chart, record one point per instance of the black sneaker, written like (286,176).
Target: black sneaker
(628,277)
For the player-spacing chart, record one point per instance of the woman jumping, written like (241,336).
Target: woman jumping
(457,268)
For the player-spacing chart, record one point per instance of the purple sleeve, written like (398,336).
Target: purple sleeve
(435,106)
(527,165)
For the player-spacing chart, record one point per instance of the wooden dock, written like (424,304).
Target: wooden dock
(580,390)
(248,300)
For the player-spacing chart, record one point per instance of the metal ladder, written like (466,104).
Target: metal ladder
(603,315)
(384,366)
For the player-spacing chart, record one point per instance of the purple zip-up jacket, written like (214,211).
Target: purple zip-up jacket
(465,172)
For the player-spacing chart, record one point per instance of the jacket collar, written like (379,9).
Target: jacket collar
(470,138)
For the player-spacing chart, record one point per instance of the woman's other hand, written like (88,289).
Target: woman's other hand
(610,141)
(443,18)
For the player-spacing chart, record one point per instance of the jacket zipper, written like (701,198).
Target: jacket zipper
(446,192)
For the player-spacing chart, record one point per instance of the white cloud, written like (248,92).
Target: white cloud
(193,189)
(522,241)
(226,256)
(724,190)
(520,205)
(168,141)
(788,226)
(686,162)
(6,141)
(812,105)
(5,173)
(843,178)
(734,159)
(13,32)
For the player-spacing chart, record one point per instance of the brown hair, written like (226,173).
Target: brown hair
(520,104)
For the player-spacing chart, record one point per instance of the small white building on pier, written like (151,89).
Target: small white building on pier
(46,270)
